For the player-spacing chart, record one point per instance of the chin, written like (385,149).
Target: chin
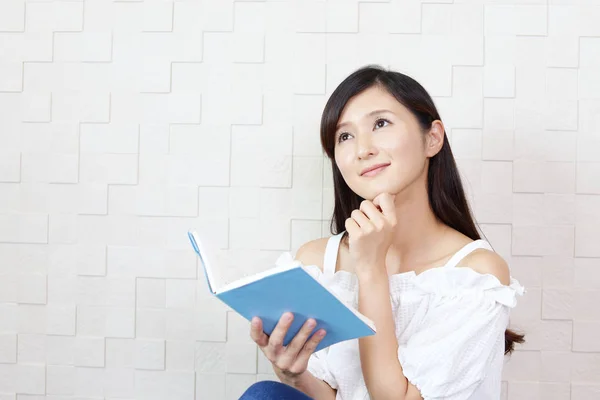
(374,190)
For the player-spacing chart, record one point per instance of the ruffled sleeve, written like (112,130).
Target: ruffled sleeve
(456,337)
(317,366)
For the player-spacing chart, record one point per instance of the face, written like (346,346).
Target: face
(374,130)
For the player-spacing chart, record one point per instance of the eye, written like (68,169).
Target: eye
(381,120)
(341,136)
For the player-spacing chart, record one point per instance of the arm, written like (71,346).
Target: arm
(370,230)
(375,304)
(378,353)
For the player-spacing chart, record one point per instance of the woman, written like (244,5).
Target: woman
(406,253)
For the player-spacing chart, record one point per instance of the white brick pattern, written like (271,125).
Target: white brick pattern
(125,123)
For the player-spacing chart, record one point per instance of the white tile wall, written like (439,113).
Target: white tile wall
(124,124)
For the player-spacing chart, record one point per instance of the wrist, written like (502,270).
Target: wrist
(296,381)
(371,274)
(369,264)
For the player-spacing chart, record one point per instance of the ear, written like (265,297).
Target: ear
(435,138)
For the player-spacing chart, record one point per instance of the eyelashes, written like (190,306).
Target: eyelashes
(341,135)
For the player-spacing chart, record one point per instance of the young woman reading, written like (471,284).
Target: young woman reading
(406,253)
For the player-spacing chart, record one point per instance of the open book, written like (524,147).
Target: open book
(288,287)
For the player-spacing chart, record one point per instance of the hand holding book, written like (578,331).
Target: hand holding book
(291,360)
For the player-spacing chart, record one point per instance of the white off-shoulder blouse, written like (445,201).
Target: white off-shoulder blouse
(450,325)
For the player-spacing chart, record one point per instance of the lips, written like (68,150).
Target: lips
(374,169)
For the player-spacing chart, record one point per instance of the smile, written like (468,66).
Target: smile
(375,171)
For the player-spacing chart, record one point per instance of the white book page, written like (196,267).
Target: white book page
(256,277)
(220,283)
(206,261)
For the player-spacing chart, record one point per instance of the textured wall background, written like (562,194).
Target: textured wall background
(123,124)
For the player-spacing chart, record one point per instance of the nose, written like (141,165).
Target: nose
(365,148)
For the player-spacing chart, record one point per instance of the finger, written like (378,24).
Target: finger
(388,207)
(299,340)
(311,345)
(384,199)
(361,219)
(257,334)
(371,210)
(278,334)
(351,227)
(374,214)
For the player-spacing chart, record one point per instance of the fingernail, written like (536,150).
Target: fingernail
(321,333)
(255,321)
(288,317)
(311,324)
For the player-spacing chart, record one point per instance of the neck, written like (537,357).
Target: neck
(417,229)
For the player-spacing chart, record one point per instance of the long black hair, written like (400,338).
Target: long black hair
(444,186)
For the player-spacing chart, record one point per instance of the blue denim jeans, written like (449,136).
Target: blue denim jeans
(271,390)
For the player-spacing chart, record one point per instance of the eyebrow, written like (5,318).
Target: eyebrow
(366,115)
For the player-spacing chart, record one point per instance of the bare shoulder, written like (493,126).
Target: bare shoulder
(312,252)
(488,262)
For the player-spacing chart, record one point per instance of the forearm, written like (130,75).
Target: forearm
(309,385)
(378,353)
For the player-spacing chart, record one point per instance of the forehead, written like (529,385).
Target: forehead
(373,98)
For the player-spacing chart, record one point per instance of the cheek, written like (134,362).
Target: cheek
(402,147)
(407,156)
(343,160)
(348,172)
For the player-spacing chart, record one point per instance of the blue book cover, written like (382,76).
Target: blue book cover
(269,294)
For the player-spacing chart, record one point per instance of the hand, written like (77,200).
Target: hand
(289,362)
(371,231)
